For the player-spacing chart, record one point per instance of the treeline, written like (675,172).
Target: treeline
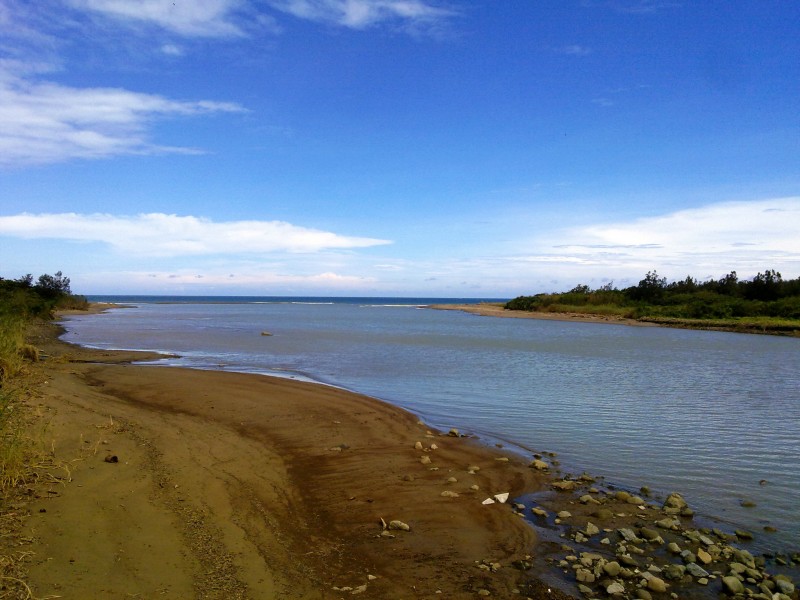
(765,295)
(27,298)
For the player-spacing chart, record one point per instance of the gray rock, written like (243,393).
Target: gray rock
(732,585)
(674,548)
(539,465)
(629,535)
(675,502)
(584,576)
(615,588)
(696,570)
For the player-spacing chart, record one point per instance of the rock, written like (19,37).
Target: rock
(732,585)
(399,526)
(474,487)
(615,588)
(484,592)
(703,556)
(656,584)
(584,576)
(650,535)
(359,590)
(425,460)
(539,465)
(621,495)
(502,459)
(674,548)
(449,494)
(564,514)
(696,570)
(564,485)
(673,571)
(591,529)
(539,512)
(743,535)
(628,535)
(434,447)
(488,501)
(418,446)
(668,523)
(452,480)
(784,585)
(587,499)
(674,503)
(643,595)
(627,560)
(612,568)
(266,333)
(635,500)
(454,432)
(111,458)
(502,497)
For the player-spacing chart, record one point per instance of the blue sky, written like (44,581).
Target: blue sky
(487,148)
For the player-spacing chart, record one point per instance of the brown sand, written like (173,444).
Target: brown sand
(489,309)
(244,486)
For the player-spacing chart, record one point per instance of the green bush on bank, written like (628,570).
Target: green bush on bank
(767,295)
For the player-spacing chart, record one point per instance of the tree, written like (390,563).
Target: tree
(52,286)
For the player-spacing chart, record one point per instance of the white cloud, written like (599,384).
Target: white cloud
(164,235)
(360,14)
(195,18)
(43,122)
(711,240)
(574,50)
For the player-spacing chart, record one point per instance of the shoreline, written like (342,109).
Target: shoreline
(316,475)
(259,487)
(497,310)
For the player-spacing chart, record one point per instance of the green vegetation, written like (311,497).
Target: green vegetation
(766,303)
(21,302)
(23,458)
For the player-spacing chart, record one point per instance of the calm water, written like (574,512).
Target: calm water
(704,413)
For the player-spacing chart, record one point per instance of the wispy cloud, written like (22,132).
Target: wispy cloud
(361,14)
(713,239)
(43,122)
(165,235)
(197,18)
(574,50)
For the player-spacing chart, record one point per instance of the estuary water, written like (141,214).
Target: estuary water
(708,414)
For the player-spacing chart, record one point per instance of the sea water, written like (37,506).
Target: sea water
(713,415)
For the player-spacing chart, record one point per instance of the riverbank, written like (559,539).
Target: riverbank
(178,483)
(487,309)
(766,327)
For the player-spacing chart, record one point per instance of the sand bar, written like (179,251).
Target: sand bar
(180,483)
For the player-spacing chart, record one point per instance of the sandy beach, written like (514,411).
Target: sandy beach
(489,309)
(174,483)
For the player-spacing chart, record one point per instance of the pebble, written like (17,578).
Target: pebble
(449,494)
(425,460)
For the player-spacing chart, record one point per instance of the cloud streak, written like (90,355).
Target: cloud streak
(163,235)
(43,122)
(198,18)
(361,14)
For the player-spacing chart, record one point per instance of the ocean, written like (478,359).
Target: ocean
(713,415)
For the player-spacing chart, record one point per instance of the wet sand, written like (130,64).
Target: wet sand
(176,483)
